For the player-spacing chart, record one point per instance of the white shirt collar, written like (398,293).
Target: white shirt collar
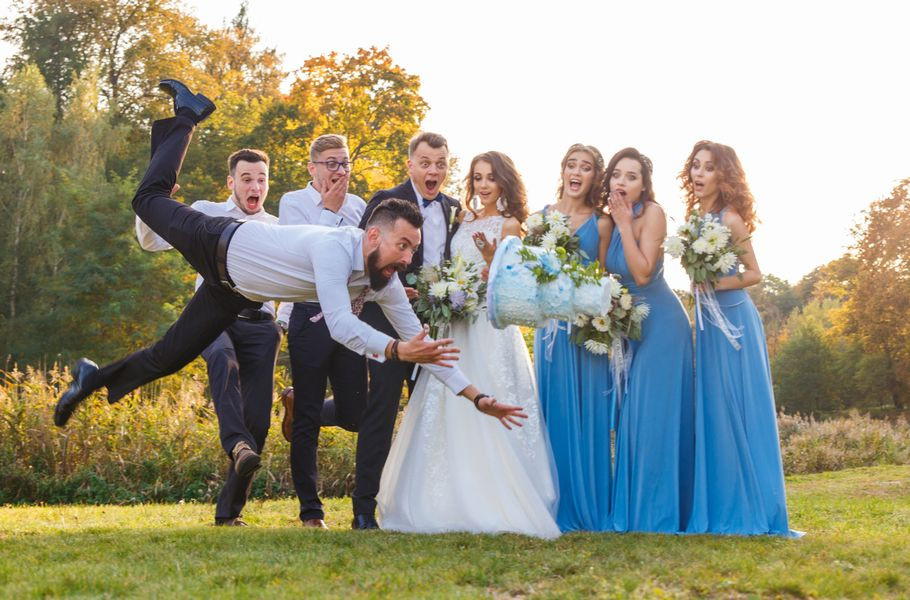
(315,197)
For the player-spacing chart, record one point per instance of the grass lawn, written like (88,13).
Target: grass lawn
(857,545)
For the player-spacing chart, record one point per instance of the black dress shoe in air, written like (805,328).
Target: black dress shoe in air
(76,392)
(184,98)
(364,522)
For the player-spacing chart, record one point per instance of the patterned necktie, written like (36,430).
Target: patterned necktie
(356,305)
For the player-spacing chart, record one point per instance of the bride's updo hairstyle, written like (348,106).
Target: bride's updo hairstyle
(731,182)
(509,180)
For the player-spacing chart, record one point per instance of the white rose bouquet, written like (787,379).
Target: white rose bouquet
(602,334)
(705,248)
(447,292)
(551,231)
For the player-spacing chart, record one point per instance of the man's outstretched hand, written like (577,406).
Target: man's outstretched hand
(420,349)
(507,414)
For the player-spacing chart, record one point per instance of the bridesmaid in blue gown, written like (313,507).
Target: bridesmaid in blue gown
(739,480)
(574,385)
(654,437)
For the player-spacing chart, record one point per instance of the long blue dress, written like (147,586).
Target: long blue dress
(739,479)
(654,438)
(575,390)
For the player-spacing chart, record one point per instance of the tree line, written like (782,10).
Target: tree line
(76,101)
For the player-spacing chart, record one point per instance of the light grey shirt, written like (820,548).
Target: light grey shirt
(434,230)
(151,241)
(305,207)
(312,263)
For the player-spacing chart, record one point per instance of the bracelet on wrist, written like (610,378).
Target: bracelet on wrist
(394,351)
(477,399)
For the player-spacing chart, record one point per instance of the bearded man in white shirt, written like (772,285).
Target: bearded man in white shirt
(246,263)
(241,361)
(315,357)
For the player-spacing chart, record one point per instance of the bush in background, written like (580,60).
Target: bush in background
(161,444)
(137,450)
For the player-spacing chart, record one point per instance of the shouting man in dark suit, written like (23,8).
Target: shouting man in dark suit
(428,164)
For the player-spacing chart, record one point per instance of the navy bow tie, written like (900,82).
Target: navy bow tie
(426,202)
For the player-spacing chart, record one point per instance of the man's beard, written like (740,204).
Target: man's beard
(377,279)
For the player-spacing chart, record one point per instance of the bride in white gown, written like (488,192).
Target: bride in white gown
(452,468)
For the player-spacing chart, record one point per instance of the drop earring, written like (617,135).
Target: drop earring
(501,204)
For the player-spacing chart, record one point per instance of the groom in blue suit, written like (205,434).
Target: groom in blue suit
(428,164)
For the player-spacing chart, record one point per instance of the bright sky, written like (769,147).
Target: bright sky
(812,95)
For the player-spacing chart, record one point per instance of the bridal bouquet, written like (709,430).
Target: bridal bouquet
(447,292)
(551,231)
(602,334)
(609,332)
(705,248)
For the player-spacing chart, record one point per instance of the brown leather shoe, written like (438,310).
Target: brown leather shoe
(287,421)
(246,461)
(314,523)
(235,522)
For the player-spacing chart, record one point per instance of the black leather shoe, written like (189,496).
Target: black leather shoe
(364,522)
(199,105)
(76,392)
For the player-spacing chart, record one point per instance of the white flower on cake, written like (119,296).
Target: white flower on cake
(553,217)
(535,221)
(595,347)
(559,228)
(601,323)
(549,240)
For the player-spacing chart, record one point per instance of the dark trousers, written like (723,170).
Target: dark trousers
(316,358)
(241,367)
(378,421)
(212,308)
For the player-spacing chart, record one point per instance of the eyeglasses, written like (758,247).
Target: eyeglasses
(333,165)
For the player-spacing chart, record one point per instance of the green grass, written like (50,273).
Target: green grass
(857,545)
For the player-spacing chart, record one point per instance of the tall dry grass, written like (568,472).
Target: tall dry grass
(162,445)
(164,448)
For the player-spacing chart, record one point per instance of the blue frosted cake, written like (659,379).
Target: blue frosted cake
(515,298)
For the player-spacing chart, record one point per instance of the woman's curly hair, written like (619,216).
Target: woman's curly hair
(592,198)
(731,182)
(509,180)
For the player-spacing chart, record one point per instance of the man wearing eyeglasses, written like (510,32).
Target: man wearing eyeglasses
(315,356)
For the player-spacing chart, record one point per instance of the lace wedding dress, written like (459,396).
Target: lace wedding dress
(453,468)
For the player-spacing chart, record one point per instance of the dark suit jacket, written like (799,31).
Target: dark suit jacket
(405,191)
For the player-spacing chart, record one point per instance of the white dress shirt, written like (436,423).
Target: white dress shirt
(311,263)
(434,232)
(151,241)
(305,207)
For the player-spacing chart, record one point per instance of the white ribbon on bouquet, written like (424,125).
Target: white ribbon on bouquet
(705,297)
